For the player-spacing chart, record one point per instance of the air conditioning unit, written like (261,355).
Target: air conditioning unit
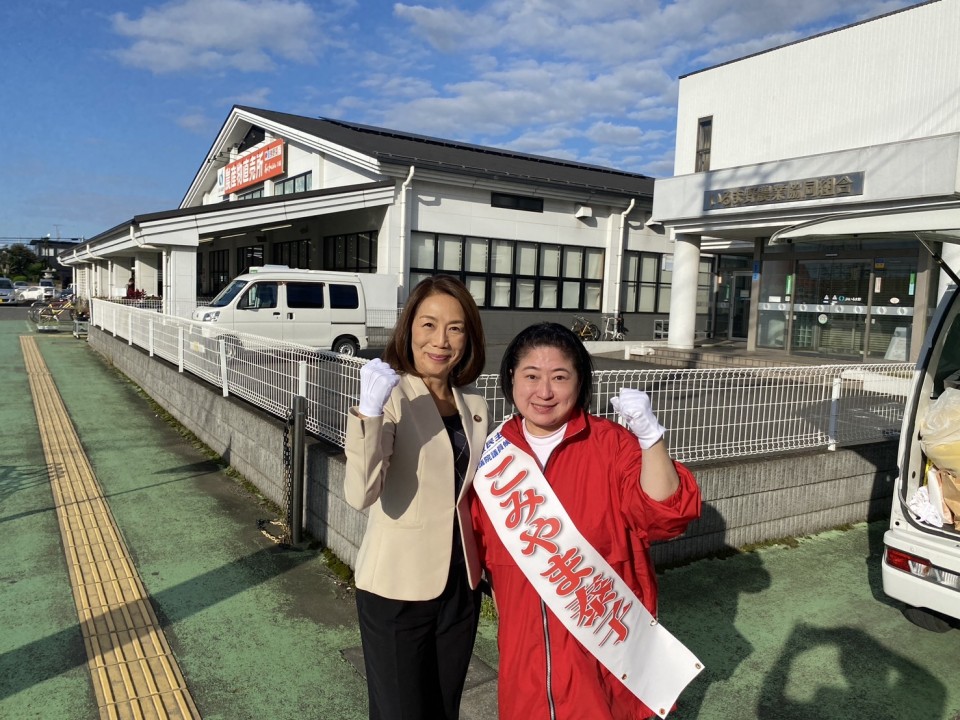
(583,211)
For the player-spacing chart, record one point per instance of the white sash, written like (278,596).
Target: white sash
(575,581)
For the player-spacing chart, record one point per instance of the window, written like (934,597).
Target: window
(648,279)
(704,285)
(219,270)
(704,133)
(516,202)
(248,257)
(642,276)
(294,254)
(251,194)
(512,273)
(304,295)
(258,296)
(344,297)
(354,252)
(298,184)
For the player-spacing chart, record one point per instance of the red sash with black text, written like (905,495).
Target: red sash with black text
(575,581)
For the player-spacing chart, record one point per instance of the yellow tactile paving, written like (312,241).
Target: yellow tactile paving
(133,671)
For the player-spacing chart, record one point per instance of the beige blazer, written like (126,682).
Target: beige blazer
(400,466)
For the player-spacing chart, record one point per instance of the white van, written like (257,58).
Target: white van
(921,558)
(323,310)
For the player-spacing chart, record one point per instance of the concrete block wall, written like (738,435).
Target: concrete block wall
(746,501)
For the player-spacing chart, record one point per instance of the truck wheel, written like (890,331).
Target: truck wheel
(928,619)
(346,346)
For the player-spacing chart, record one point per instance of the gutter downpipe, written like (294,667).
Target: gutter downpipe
(620,245)
(404,231)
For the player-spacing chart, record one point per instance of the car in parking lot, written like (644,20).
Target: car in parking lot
(19,285)
(48,289)
(8,294)
(30,295)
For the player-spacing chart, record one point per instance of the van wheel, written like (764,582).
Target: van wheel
(928,619)
(346,346)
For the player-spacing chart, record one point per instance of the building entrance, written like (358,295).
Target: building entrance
(851,308)
(733,305)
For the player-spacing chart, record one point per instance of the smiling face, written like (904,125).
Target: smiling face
(545,388)
(438,337)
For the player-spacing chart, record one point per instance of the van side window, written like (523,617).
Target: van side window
(344,297)
(304,295)
(259,295)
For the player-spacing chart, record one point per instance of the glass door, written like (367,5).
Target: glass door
(830,307)
(733,305)
(894,288)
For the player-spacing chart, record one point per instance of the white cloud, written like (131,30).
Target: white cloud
(218,35)
(607,133)
(257,97)
(195,122)
(593,79)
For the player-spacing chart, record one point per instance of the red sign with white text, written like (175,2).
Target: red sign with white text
(262,163)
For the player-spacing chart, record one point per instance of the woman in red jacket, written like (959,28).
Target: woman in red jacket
(566,506)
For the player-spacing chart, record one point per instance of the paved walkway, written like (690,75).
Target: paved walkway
(261,632)
(133,670)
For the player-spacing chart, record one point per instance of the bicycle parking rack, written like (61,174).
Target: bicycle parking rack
(51,317)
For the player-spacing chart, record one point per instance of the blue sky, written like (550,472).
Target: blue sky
(109,107)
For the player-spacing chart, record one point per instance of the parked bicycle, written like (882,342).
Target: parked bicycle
(613,328)
(584,329)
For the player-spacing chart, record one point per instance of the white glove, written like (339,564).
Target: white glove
(637,412)
(377,381)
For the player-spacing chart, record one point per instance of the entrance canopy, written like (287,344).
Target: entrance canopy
(939,223)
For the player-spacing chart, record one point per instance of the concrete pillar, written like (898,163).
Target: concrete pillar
(148,272)
(683,292)
(180,281)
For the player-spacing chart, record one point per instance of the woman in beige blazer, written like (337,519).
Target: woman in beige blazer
(413,444)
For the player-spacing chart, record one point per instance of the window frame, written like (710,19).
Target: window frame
(704,144)
(338,249)
(523,203)
(502,284)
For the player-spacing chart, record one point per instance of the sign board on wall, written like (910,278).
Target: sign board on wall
(818,188)
(263,163)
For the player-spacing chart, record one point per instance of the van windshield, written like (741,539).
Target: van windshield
(227,295)
(5,284)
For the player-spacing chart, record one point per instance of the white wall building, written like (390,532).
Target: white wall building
(862,122)
(533,238)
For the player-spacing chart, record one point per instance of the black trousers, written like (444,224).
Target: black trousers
(416,653)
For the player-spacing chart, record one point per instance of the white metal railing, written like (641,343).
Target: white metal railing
(710,414)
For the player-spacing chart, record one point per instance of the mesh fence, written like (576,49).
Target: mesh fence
(710,414)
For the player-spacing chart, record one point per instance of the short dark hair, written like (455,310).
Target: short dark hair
(399,351)
(553,335)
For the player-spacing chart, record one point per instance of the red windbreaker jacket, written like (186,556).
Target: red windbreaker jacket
(545,673)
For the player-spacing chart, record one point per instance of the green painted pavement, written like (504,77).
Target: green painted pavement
(43,671)
(257,630)
(806,632)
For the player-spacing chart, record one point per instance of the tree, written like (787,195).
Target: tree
(20,260)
